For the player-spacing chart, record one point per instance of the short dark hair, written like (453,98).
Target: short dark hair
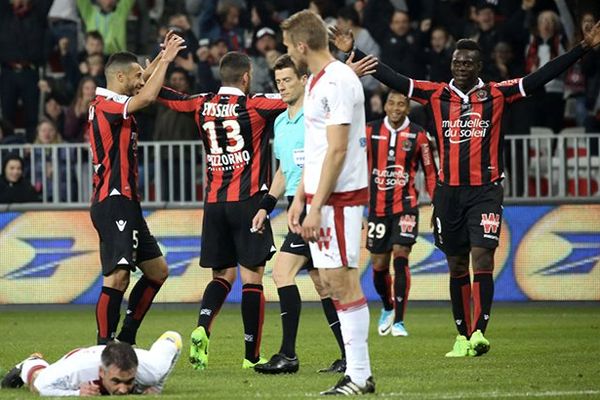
(233,66)
(94,35)
(285,61)
(394,92)
(468,44)
(120,60)
(119,354)
(349,14)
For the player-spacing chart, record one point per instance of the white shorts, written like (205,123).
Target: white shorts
(340,234)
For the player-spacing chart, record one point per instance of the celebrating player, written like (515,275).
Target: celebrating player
(395,146)
(468,199)
(125,241)
(112,369)
(232,125)
(295,254)
(334,187)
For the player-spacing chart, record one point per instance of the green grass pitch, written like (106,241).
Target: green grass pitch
(539,350)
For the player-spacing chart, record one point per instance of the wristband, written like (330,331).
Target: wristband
(268,203)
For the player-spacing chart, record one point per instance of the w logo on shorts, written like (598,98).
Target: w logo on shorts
(324,238)
(407,223)
(490,222)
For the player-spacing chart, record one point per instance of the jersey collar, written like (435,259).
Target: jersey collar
(298,115)
(230,90)
(465,96)
(387,124)
(110,95)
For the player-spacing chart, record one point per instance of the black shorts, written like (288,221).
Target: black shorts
(384,232)
(125,240)
(226,237)
(294,244)
(466,217)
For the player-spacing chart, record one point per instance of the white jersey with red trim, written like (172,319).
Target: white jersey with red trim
(335,97)
(63,377)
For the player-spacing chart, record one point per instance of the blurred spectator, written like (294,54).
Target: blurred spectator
(222,22)
(94,68)
(545,44)
(8,135)
(23,49)
(583,79)
(54,111)
(401,46)
(486,33)
(47,169)
(262,13)
(14,188)
(262,79)
(76,115)
(209,56)
(175,126)
(502,64)
(325,8)
(94,44)
(439,55)
(109,17)
(180,23)
(63,21)
(348,19)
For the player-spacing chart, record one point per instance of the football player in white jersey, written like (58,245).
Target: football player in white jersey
(334,187)
(113,369)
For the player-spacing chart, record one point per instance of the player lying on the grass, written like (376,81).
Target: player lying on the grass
(294,255)
(395,148)
(112,369)
(467,116)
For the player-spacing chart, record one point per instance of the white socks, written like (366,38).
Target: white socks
(354,322)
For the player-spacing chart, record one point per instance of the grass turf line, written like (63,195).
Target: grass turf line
(537,350)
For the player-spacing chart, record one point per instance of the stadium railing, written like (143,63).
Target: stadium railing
(540,166)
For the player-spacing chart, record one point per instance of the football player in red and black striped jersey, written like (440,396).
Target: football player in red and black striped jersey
(233,126)
(467,117)
(125,241)
(395,148)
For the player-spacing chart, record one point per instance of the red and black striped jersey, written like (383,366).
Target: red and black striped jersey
(394,156)
(113,139)
(468,127)
(232,126)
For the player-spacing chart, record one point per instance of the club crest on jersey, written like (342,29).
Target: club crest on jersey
(363,142)
(324,238)
(406,145)
(481,95)
(490,223)
(325,105)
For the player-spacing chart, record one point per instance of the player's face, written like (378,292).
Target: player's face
(134,80)
(295,50)
(396,108)
(13,171)
(117,381)
(290,86)
(465,68)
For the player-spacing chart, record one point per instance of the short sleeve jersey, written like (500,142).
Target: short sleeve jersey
(288,146)
(335,97)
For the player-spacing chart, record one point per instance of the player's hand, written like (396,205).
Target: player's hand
(311,226)
(365,66)
(258,222)
(174,45)
(293,215)
(591,36)
(89,389)
(527,4)
(343,40)
(151,390)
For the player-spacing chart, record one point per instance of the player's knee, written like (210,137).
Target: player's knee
(458,265)
(228,274)
(483,259)
(380,263)
(282,277)
(401,251)
(118,280)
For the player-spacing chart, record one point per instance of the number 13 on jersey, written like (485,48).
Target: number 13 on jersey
(235,141)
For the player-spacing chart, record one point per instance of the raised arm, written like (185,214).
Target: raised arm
(344,41)
(150,90)
(555,67)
